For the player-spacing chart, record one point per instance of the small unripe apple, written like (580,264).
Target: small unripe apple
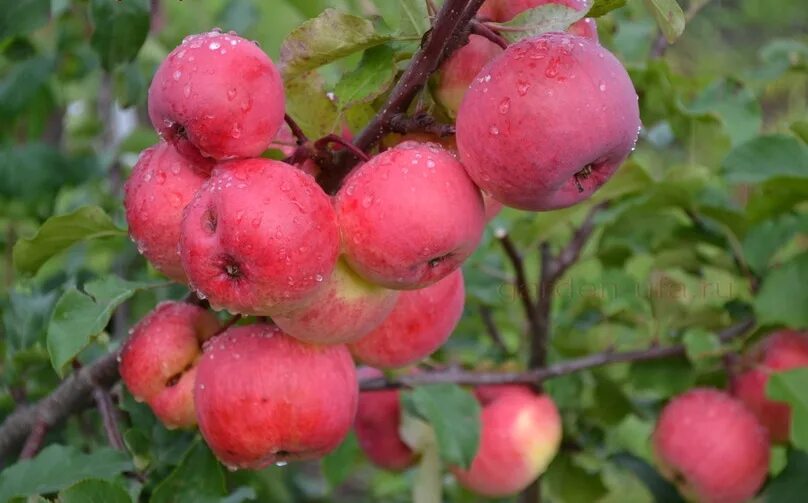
(346,309)
(220,93)
(259,237)
(264,397)
(547,122)
(462,67)
(158,361)
(378,419)
(520,435)
(784,350)
(409,216)
(712,447)
(161,185)
(419,324)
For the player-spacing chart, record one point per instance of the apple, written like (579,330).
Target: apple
(344,310)
(259,237)
(712,447)
(419,324)
(264,397)
(162,183)
(487,393)
(409,216)
(457,72)
(505,10)
(547,122)
(783,350)
(219,93)
(378,418)
(158,361)
(520,434)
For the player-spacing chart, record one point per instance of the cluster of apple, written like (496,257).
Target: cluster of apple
(371,273)
(715,445)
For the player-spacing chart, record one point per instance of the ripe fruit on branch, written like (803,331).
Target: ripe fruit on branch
(505,10)
(219,92)
(259,237)
(378,418)
(420,323)
(712,447)
(263,397)
(457,72)
(409,216)
(784,350)
(520,435)
(344,310)
(487,393)
(547,122)
(158,361)
(162,183)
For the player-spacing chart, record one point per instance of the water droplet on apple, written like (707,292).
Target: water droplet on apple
(505,106)
(214,46)
(177,75)
(281,464)
(493,130)
(367,201)
(231,93)
(602,86)
(186,91)
(522,87)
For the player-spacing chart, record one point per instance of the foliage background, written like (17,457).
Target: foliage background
(711,204)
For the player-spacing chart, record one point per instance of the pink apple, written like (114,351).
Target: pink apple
(259,238)
(409,216)
(712,447)
(520,435)
(344,310)
(162,183)
(263,397)
(487,393)
(457,72)
(158,361)
(505,10)
(220,93)
(378,419)
(784,350)
(419,324)
(548,122)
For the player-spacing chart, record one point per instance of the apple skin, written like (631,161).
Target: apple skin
(259,237)
(419,324)
(264,397)
(457,72)
(346,309)
(712,447)
(220,93)
(158,361)
(378,419)
(520,435)
(487,393)
(546,109)
(415,190)
(505,10)
(783,350)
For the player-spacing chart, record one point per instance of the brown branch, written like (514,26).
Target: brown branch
(297,132)
(491,328)
(420,122)
(570,254)
(483,30)
(109,416)
(33,443)
(322,143)
(525,297)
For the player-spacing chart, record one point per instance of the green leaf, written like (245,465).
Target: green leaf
(57,467)
(79,317)
(762,242)
(338,465)
(427,487)
(567,481)
(734,104)
(239,15)
(372,78)
(800,128)
(542,19)
(308,104)
(701,344)
(766,157)
(23,83)
(197,479)
(330,36)
(18,17)
(455,415)
(783,297)
(61,232)
(603,7)
(790,386)
(791,485)
(414,20)
(25,318)
(35,171)
(120,28)
(94,491)
(669,17)
(130,85)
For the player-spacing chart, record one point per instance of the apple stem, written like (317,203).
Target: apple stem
(297,132)
(339,140)
(483,30)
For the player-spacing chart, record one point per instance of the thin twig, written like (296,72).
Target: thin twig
(483,30)
(322,143)
(298,133)
(491,328)
(420,122)
(109,417)
(570,254)
(33,442)
(522,289)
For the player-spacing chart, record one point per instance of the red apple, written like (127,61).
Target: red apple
(259,237)
(344,310)
(158,361)
(419,324)
(409,216)
(548,122)
(263,397)
(487,393)
(520,435)
(457,72)
(162,183)
(505,10)
(220,93)
(784,350)
(712,447)
(378,419)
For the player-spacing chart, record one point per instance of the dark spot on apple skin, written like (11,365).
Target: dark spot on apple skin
(435,262)
(209,220)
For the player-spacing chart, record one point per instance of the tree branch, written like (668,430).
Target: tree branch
(491,328)
(421,122)
(297,132)
(526,298)
(109,417)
